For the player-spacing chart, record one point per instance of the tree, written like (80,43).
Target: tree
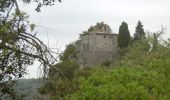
(19,46)
(137,78)
(124,35)
(57,86)
(139,32)
(70,50)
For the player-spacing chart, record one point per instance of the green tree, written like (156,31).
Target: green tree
(137,78)
(139,31)
(124,35)
(70,50)
(59,86)
(19,46)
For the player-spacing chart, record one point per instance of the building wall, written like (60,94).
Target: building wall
(95,57)
(105,42)
(84,45)
(98,42)
(97,48)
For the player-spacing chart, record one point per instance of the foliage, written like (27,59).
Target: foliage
(143,74)
(98,26)
(58,86)
(106,63)
(85,72)
(66,67)
(19,47)
(124,35)
(139,32)
(91,29)
(70,50)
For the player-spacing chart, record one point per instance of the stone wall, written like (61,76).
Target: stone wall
(96,57)
(105,42)
(98,46)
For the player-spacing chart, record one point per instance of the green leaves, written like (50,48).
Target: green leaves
(139,32)
(142,75)
(124,35)
(122,83)
(70,50)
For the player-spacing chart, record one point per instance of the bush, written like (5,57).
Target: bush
(66,67)
(144,73)
(106,63)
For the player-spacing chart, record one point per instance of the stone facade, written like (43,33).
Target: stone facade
(97,45)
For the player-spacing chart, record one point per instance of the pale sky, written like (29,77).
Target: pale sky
(63,22)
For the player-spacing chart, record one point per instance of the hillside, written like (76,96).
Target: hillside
(142,73)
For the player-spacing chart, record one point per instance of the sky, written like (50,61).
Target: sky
(62,23)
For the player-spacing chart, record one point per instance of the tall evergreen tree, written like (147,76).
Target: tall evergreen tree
(139,31)
(124,35)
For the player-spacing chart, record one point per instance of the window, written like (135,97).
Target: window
(104,36)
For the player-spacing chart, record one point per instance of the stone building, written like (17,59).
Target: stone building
(97,45)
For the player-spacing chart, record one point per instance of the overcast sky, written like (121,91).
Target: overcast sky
(63,22)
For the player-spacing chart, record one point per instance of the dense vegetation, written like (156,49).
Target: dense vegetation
(143,71)
(142,74)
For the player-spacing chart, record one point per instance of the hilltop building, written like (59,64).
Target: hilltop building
(97,45)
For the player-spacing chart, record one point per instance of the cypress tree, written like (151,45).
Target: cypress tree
(139,31)
(124,35)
